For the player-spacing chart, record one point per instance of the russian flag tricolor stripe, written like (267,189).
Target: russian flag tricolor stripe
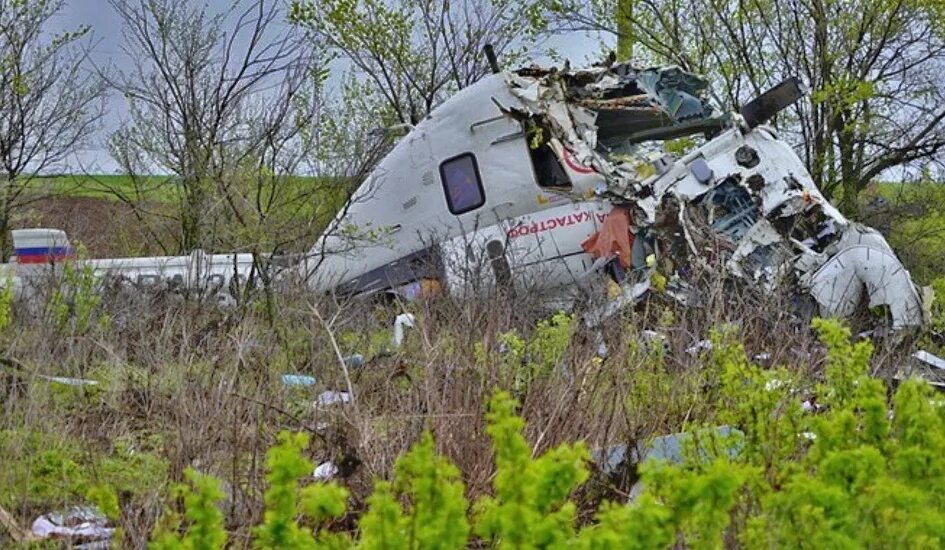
(44,254)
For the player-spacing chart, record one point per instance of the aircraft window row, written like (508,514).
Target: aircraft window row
(462,184)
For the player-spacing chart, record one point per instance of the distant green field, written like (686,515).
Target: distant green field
(160,189)
(153,188)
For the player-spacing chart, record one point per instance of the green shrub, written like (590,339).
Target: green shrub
(76,299)
(530,508)
(43,469)
(204,529)
(521,360)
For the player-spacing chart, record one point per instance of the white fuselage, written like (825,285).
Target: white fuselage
(402,208)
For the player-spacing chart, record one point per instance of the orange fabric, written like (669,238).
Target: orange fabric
(430,287)
(613,238)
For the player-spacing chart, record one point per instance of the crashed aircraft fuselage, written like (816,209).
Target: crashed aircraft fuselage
(519,170)
(556,178)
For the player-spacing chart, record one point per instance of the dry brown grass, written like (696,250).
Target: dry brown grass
(196,386)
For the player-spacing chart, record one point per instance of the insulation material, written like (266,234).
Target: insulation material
(613,239)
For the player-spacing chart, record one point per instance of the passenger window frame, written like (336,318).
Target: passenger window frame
(446,186)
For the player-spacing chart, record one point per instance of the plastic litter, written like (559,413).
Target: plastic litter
(404,320)
(701,345)
(355,360)
(325,471)
(331,397)
(298,380)
(69,381)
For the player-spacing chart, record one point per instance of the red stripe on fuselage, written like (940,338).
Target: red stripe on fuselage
(569,160)
(43,259)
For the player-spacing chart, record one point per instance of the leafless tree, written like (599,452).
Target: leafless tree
(211,95)
(417,53)
(49,102)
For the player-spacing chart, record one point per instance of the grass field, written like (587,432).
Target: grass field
(113,186)
(107,186)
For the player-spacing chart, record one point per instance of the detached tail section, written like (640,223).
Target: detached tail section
(41,246)
(38,247)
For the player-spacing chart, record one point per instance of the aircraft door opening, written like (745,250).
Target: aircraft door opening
(545,152)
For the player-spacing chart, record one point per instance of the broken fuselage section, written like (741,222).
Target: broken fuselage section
(569,170)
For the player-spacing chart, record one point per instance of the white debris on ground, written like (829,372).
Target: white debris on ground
(402,322)
(325,471)
(698,347)
(330,397)
(76,525)
(929,359)
(925,365)
(69,381)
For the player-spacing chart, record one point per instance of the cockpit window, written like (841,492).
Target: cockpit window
(462,184)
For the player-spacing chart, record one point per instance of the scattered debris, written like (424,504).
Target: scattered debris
(77,525)
(699,347)
(629,295)
(602,349)
(924,365)
(671,448)
(332,397)
(69,381)
(654,340)
(325,471)
(652,336)
(298,380)
(811,405)
(609,459)
(355,360)
(929,359)
(401,322)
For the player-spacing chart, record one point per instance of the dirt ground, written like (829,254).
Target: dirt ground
(106,228)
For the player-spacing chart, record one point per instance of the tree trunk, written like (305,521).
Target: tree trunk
(625,29)
(849,176)
(191,217)
(5,245)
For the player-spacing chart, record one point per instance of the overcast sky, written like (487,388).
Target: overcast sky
(107,27)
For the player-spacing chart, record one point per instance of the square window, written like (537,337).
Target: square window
(461,183)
